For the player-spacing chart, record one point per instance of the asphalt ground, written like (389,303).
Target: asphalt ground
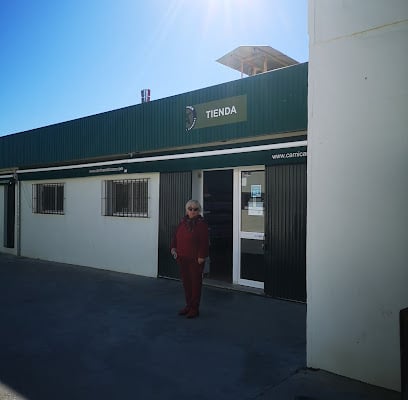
(71,332)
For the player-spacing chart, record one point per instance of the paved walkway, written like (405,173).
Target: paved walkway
(70,332)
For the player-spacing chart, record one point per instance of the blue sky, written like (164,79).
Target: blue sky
(69,59)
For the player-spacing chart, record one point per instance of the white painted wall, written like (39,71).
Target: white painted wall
(197,186)
(357,229)
(83,236)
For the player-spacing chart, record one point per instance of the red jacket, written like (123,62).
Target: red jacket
(191,238)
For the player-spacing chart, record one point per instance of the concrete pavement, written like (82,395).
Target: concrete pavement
(70,332)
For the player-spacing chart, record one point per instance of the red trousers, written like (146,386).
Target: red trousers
(192,277)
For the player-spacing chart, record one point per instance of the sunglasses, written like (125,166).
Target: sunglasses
(192,209)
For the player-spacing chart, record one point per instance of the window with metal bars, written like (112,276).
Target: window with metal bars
(48,198)
(126,198)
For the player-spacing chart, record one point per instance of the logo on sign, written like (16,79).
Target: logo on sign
(191,118)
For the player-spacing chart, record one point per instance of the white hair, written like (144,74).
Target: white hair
(194,204)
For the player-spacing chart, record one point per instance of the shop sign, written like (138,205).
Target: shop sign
(107,170)
(220,112)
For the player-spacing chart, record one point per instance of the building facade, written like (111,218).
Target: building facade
(240,148)
(108,190)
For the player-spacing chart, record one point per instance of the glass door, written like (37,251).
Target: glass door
(251,231)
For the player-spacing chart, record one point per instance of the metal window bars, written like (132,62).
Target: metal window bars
(125,198)
(48,198)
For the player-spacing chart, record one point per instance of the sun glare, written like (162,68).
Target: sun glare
(234,17)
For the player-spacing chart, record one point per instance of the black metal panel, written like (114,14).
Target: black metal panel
(9,214)
(252,260)
(286,232)
(175,191)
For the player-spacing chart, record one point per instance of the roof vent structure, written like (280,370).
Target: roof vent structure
(252,60)
(145,95)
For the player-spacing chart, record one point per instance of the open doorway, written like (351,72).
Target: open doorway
(218,211)
(9,214)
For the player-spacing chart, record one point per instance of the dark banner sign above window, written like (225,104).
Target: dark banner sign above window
(268,154)
(219,112)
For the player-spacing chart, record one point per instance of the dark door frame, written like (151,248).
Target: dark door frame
(218,203)
(9,213)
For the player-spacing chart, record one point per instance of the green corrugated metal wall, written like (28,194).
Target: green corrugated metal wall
(276,102)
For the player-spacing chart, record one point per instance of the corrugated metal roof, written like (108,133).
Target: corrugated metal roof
(276,102)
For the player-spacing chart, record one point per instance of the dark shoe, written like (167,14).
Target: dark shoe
(192,314)
(184,311)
